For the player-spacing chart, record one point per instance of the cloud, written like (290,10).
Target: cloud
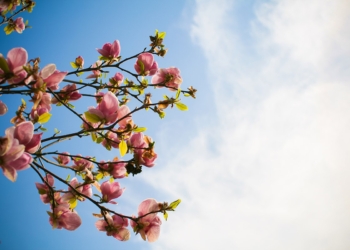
(273,172)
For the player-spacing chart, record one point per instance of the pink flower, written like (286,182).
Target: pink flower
(112,140)
(44,190)
(63,159)
(3,108)
(12,155)
(81,164)
(111,191)
(145,65)
(107,109)
(19,25)
(142,154)
(115,227)
(117,170)
(110,50)
(24,133)
(68,93)
(95,73)
(148,226)
(12,68)
(170,77)
(63,217)
(85,189)
(51,76)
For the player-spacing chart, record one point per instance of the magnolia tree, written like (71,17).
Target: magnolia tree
(108,121)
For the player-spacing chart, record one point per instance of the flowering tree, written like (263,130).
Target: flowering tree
(109,123)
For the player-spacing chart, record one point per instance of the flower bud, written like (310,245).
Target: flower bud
(3,108)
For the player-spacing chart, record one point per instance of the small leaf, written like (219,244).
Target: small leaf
(187,94)
(111,179)
(57,131)
(165,97)
(23,102)
(99,139)
(44,118)
(43,129)
(80,73)
(8,30)
(98,215)
(123,148)
(178,94)
(174,204)
(68,177)
(165,215)
(161,114)
(74,66)
(3,65)
(99,176)
(73,203)
(93,136)
(91,117)
(139,129)
(181,106)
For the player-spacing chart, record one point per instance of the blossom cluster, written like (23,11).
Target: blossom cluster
(109,123)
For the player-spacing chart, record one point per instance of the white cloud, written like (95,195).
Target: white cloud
(273,173)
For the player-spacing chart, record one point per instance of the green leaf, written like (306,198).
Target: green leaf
(99,176)
(80,73)
(57,131)
(181,106)
(3,65)
(165,97)
(93,136)
(178,94)
(73,203)
(142,66)
(123,148)
(174,204)
(165,215)
(161,114)
(68,177)
(43,129)
(8,29)
(23,102)
(139,129)
(91,117)
(99,139)
(74,66)
(44,118)
(187,94)
(111,179)
(161,35)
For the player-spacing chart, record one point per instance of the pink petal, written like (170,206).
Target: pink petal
(17,57)
(153,233)
(24,132)
(10,173)
(22,162)
(48,70)
(34,144)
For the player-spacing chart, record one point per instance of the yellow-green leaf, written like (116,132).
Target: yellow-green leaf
(93,136)
(4,66)
(111,179)
(187,94)
(74,66)
(44,118)
(91,117)
(8,30)
(123,148)
(73,203)
(166,216)
(178,94)
(181,106)
(174,204)
(99,176)
(139,129)
(68,177)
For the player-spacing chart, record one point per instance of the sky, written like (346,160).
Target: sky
(260,160)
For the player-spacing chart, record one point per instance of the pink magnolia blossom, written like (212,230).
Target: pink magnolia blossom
(63,217)
(95,73)
(19,25)
(13,70)
(84,189)
(112,140)
(107,109)
(24,133)
(79,62)
(142,155)
(51,76)
(44,189)
(110,50)
(111,191)
(123,115)
(170,77)
(116,227)
(116,80)
(80,164)
(67,94)
(5,4)
(117,170)
(145,65)
(36,113)
(148,226)
(3,108)
(63,159)
(12,155)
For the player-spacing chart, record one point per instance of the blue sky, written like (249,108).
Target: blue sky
(261,158)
